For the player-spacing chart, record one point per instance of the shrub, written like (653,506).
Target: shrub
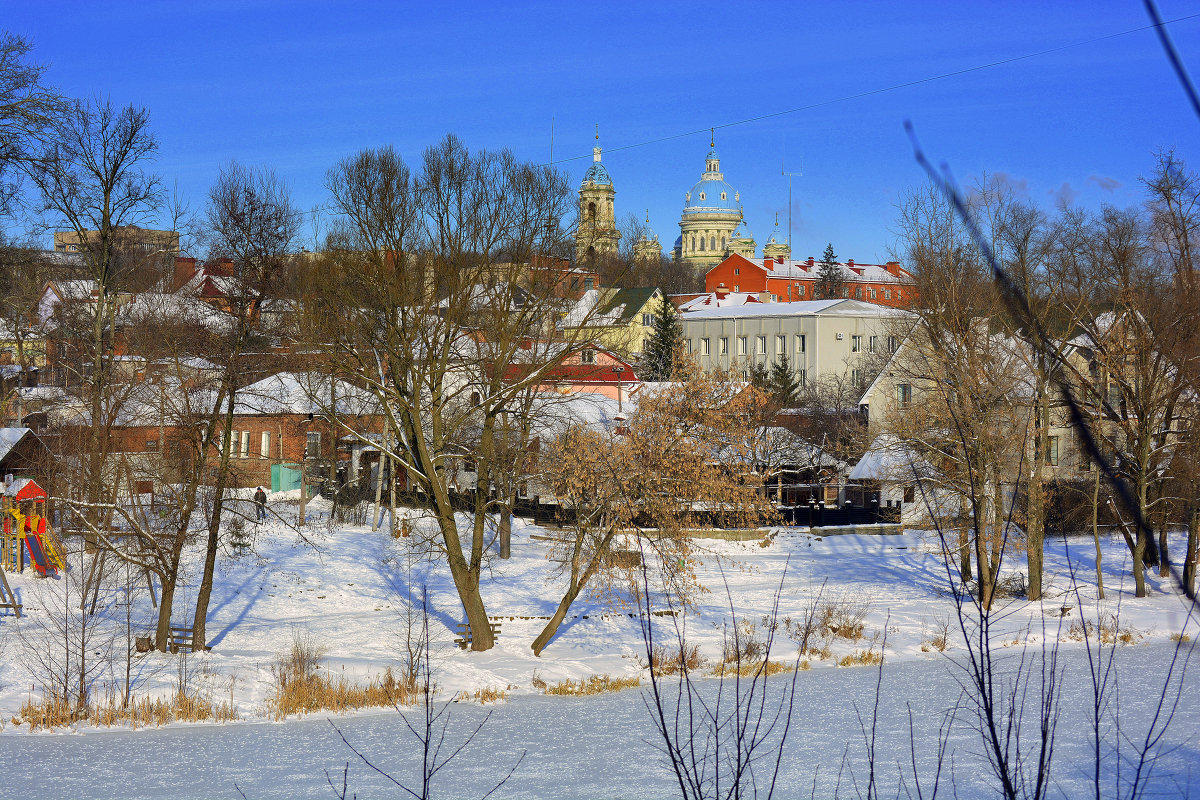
(666,661)
(596,684)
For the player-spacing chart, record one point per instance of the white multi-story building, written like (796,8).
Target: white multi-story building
(818,337)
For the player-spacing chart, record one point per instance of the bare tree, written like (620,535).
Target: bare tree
(430,299)
(28,107)
(254,224)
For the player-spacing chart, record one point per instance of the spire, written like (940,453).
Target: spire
(647,216)
(712,137)
(596,149)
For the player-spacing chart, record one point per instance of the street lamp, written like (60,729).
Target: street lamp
(619,371)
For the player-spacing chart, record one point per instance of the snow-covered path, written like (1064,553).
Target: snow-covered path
(589,748)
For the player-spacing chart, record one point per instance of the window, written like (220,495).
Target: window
(856,377)
(712,243)
(648,320)
(858,292)
(693,247)
(1114,395)
(722,238)
(152,445)
(702,240)
(245,453)
(741,346)
(855,344)
(264,449)
(887,294)
(760,346)
(845,291)
(781,345)
(592,213)
(904,395)
(898,294)
(234,436)
(800,343)
(1051,451)
(588,356)
(723,346)
(737,288)
(704,347)
(574,284)
(800,291)
(587,283)
(910,494)
(737,271)
(312,444)
(891,344)
(774,298)
(873,344)
(802,376)
(476,399)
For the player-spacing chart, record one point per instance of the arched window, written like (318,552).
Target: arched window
(592,213)
(701,242)
(693,243)
(722,242)
(712,243)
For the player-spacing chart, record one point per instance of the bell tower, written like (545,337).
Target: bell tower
(597,233)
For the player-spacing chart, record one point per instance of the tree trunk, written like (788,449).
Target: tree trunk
(1036,518)
(163,631)
(560,613)
(1164,558)
(1193,551)
(506,516)
(1096,532)
(964,553)
(199,633)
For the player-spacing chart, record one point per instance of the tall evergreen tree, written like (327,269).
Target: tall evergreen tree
(829,276)
(784,385)
(658,362)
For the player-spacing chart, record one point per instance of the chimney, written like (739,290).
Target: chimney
(893,268)
(778,259)
(185,268)
(850,263)
(809,263)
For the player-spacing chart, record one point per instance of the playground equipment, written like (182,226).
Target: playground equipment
(25,531)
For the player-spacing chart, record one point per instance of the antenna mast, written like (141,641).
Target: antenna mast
(789,176)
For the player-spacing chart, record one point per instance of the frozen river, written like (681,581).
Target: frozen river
(591,748)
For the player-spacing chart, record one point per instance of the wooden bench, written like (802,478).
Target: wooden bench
(181,639)
(464,632)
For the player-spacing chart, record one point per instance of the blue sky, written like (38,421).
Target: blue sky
(298,85)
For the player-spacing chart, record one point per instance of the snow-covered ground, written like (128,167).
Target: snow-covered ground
(346,589)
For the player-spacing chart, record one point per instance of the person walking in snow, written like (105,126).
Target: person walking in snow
(260,504)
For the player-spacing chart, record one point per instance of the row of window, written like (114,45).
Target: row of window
(873,343)
(711,242)
(760,345)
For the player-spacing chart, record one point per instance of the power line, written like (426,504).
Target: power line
(892,88)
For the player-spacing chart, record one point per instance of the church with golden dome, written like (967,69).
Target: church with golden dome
(711,225)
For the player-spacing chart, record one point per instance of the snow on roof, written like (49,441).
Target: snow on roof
(298,393)
(718,300)
(799,308)
(889,459)
(10,438)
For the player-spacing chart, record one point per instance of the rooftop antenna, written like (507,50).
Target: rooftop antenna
(789,176)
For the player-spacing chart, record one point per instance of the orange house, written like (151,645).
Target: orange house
(790,281)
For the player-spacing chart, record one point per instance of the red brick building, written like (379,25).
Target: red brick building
(789,281)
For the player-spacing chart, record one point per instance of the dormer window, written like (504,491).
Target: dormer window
(702,195)
(722,195)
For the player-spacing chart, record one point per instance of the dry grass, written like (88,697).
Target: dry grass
(1109,631)
(1180,637)
(301,688)
(666,661)
(318,692)
(596,684)
(748,669)
(488,694)
(143,712)
(937,635)
(862,658)
(845,615)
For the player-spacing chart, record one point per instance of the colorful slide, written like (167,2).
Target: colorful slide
(34,545)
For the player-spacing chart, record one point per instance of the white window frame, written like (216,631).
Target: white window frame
(704,347)
(742,344)
(760,345)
